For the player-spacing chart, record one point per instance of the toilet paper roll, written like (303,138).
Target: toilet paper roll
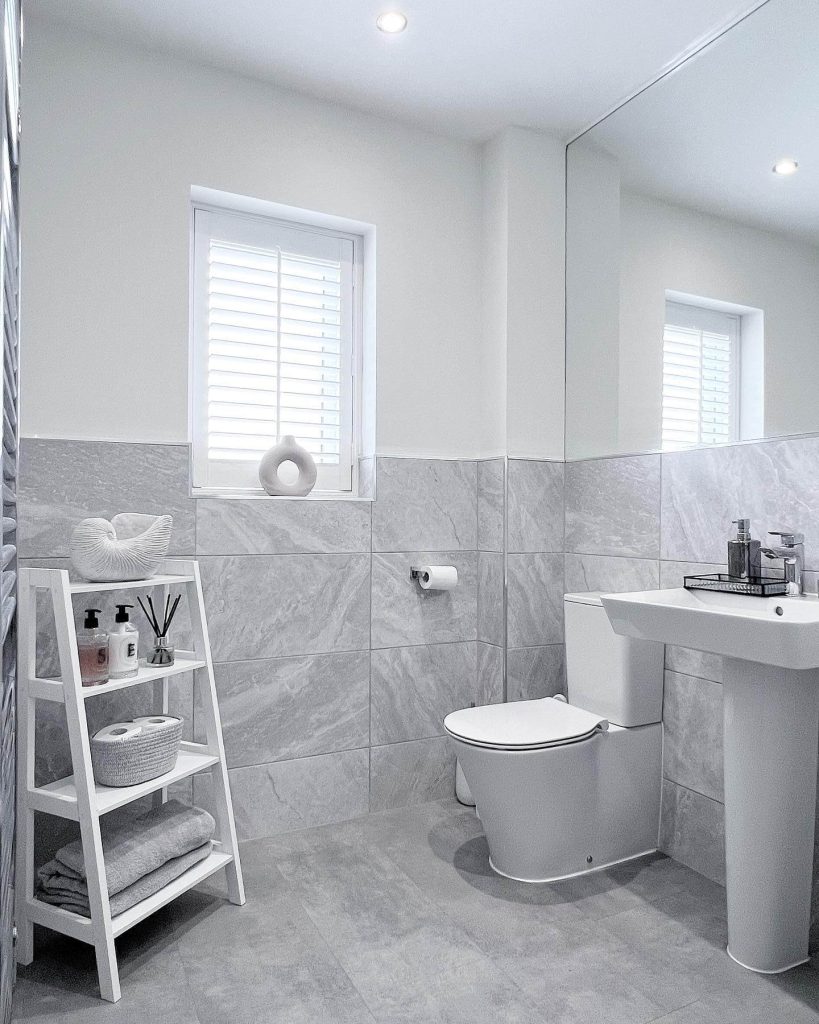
(153,722)
(438,577)
(118,732)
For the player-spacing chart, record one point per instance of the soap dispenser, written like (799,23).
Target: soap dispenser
(92,644)
(123,645)
(744,553)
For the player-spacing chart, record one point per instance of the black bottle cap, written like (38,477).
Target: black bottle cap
(122,612)
(91,620)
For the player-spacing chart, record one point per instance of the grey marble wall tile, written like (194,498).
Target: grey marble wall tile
(535,514)
(490,504)
(692,734)
(282,708)
(534,672)
(267,606)
(288,795)
(692,831)
(403,614)
(693,663)
(425,503)
(414,688)
(610,574)
(684,659)
(63,482)
(613,506)
(490,675)
(411,773)
(271,526)
(534,599)
(775,483)
(490,597)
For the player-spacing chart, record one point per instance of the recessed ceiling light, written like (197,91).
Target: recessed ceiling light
(785,166)
(391,21)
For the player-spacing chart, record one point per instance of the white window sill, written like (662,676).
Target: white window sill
(252,495)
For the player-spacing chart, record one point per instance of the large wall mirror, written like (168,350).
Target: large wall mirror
(693,265)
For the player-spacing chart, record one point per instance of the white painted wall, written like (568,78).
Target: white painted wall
(524,232)
(593,301)
(114,139)
(536,296)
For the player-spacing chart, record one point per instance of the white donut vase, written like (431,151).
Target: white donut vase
(130,547)
(288,450)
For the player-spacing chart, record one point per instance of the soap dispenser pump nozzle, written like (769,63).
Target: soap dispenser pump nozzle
(743,528)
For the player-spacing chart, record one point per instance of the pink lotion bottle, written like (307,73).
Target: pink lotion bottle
(92,643)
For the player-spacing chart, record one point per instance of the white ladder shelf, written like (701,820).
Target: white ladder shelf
(78,797)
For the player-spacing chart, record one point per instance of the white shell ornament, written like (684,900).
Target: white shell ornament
(130,547)
(288,450)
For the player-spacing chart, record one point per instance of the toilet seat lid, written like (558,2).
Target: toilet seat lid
(523,724)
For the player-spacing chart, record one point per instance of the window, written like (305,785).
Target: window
(276,332)
(701,373)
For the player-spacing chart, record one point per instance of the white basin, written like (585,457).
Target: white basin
(771,736)
(781,631)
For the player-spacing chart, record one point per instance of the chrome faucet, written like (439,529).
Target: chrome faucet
(792,553)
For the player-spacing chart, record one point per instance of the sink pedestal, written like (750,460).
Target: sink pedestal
(771,738)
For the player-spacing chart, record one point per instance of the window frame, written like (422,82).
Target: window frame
(702,318)
(236,477)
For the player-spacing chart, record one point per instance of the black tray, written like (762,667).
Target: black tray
(756,586)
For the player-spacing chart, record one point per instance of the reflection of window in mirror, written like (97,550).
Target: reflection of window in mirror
(712,373)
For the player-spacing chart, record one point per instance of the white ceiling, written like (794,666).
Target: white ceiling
(468,67)
(708,135)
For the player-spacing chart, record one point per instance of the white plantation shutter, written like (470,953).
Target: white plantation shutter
(273,347)
(700,376)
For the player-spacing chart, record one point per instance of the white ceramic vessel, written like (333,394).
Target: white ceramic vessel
(567,788)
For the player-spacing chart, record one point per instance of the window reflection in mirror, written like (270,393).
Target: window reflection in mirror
(692,268)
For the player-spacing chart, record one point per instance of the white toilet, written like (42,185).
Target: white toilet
(567,788)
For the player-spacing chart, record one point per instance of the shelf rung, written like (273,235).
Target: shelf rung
(146,674)
(64,921)
(52,689)
(60,798)
(79,927)
(193,876)
(154,581)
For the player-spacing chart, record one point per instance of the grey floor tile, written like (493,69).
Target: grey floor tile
(262,962)
(60,987)
(397,917)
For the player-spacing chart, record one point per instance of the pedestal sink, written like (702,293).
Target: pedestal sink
(771,721)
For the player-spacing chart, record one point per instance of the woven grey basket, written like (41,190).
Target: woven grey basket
(149,754)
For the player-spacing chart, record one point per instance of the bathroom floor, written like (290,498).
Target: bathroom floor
(397,917)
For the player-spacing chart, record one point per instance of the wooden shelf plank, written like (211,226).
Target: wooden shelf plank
(146,674)
(52,689)
(60,797)
(193,876)
(154,581)
(79,927)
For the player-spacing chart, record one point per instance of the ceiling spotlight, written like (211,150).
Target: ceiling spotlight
(785,166)
(392,22)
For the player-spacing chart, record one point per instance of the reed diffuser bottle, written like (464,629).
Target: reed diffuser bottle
(162,652)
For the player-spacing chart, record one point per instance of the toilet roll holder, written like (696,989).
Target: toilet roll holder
(421,573)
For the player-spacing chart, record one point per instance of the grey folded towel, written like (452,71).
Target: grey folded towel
(74,897)
(131,849)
